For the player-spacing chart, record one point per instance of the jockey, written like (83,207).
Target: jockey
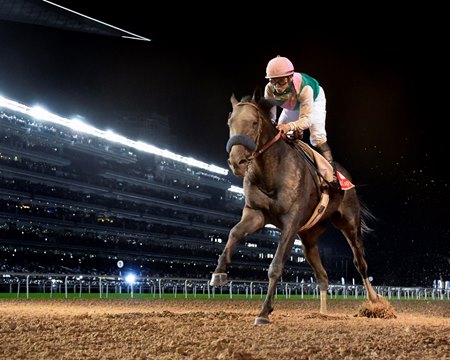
(303,102)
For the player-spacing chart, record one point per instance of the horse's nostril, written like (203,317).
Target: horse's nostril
(243,161)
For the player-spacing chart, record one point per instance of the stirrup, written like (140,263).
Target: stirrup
(331,186)
(335,184)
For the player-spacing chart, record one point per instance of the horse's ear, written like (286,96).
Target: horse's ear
(256,95)
(233,100)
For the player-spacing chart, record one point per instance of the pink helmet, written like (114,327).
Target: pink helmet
(279,67)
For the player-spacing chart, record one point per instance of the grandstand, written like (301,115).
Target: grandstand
(74,199)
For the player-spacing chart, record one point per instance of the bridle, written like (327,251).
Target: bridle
(246,141)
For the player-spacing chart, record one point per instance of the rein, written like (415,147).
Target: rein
(267,145)
(248,142)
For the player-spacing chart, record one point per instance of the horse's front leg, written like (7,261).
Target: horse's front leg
(251,221)
(275,272)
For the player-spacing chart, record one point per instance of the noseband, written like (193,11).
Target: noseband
(246,141)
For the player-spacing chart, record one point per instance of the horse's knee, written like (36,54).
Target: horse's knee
(275,271)
(234,235)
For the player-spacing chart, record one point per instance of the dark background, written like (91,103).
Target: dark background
(383,73)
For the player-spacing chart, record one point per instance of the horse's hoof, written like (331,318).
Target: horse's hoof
(218,279)
(261,321)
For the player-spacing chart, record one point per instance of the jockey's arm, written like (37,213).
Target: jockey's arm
(306,99)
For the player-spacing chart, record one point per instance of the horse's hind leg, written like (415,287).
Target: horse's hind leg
(251,221)
(350,226)
(311,251)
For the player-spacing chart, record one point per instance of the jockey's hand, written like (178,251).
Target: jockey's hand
(285,128)
(298,134)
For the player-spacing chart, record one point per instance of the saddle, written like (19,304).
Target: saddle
(325,170)
(323,166)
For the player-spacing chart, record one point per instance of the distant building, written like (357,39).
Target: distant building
(152,128)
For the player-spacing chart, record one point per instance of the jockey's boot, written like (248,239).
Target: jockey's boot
(325,151)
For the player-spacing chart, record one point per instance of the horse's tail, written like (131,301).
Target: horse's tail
(366,217)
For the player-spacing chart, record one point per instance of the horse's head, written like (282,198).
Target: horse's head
(246,123)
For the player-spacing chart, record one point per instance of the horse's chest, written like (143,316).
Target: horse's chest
(262,197)
(258,199)
(267,202)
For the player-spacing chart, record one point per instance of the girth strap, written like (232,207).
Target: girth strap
(318,211)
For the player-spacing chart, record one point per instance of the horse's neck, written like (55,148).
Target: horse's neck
(275,160)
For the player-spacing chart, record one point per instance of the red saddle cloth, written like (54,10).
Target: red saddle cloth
(344,182)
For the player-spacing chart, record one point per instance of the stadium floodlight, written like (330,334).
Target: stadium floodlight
(113,137)
(236,189)
(130,279)
(80,126)
(42,114)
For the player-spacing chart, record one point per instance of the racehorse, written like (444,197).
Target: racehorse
(281,188)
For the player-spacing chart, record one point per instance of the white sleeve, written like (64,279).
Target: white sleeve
(306,107)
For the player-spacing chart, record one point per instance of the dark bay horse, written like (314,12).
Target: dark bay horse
(281,189)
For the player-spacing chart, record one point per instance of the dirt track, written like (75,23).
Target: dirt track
(218,329)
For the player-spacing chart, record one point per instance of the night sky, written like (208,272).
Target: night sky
(382,78)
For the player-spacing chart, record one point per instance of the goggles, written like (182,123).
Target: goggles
(279,81)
